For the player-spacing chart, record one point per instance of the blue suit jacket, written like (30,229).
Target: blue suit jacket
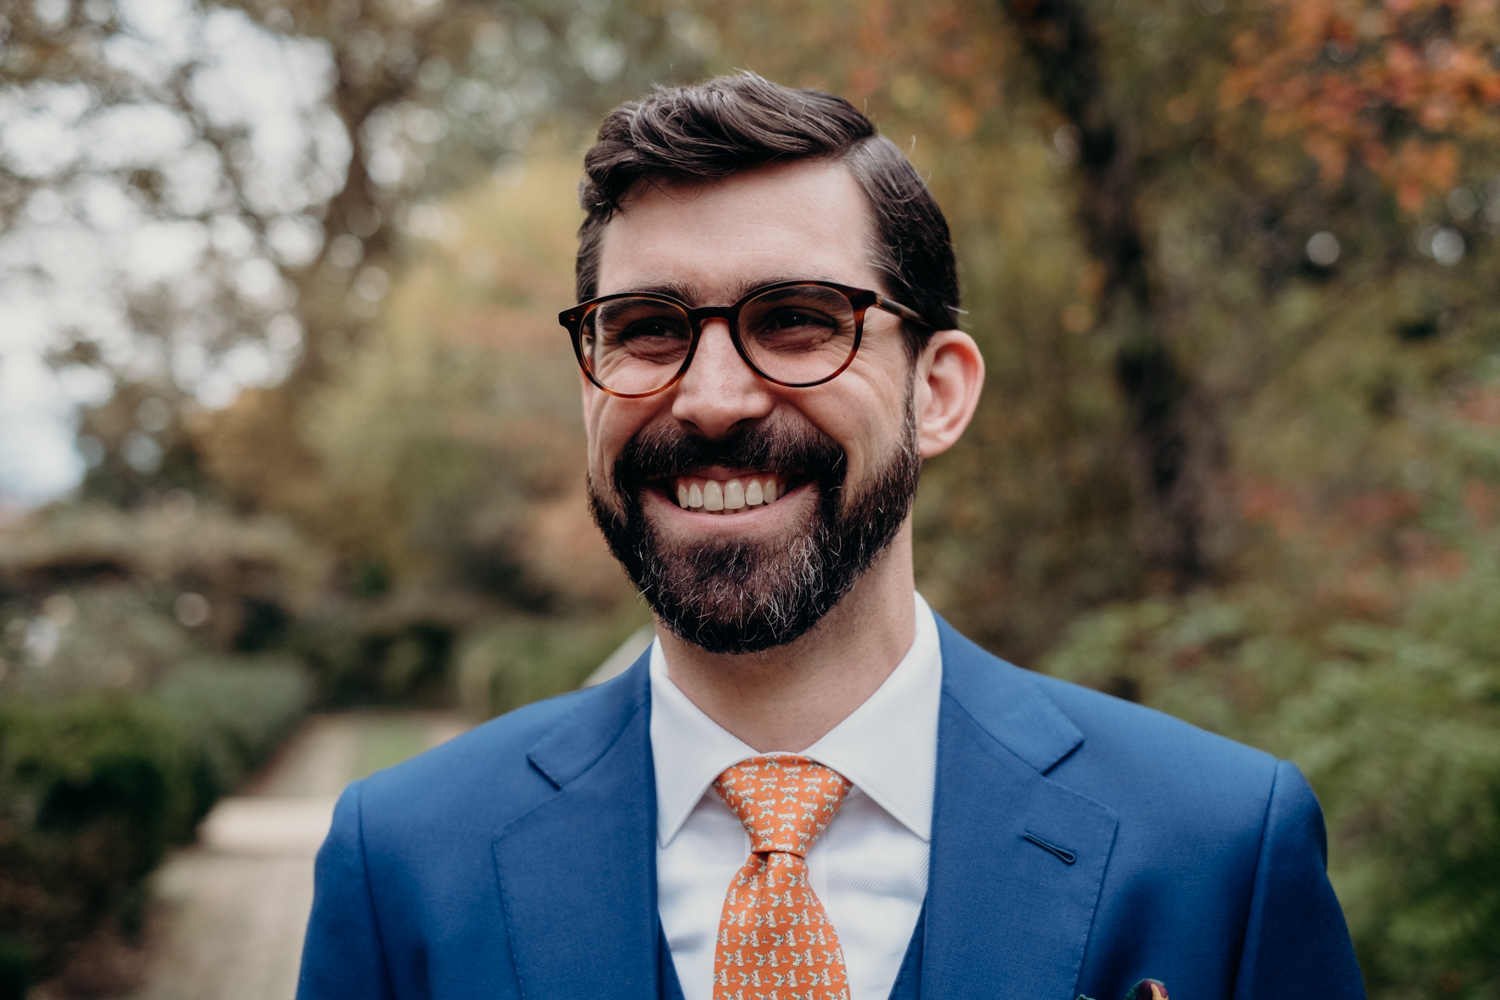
(1080,843)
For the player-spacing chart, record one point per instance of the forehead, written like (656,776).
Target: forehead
(711,241)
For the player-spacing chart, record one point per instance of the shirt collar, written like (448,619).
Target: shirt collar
(887,746)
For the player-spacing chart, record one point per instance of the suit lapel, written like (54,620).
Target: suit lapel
(578,872)
(1008,912)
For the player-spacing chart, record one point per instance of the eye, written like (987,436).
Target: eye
(794,328)
(799,319)
(654,327)
(793,318)
(635,324)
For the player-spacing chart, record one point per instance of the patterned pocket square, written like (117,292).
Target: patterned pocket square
(1146,989)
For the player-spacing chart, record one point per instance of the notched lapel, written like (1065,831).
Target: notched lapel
(1002,699)
(1008,915)
(577,873)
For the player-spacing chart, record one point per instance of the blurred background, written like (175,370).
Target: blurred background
(291,467)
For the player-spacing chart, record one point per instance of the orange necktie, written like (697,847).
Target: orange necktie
(775,941)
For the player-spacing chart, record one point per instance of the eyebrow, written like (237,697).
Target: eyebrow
(693,296)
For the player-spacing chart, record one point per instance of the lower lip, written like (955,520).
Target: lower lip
(745,518)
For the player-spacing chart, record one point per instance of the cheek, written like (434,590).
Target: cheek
(610,423)
(856,426)
(867,419)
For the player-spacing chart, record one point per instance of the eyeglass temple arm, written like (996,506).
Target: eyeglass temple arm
(905,312)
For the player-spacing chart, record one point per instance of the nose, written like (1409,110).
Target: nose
(719,393)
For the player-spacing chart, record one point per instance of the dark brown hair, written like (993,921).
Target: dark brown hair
(733,123)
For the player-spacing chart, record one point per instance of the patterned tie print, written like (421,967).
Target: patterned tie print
(775,941)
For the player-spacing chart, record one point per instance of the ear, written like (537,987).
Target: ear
(950,373)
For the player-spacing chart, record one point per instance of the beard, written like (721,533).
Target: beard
(735,596)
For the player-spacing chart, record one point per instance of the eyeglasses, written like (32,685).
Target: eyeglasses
(793,333)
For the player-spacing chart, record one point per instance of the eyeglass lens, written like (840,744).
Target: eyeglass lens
(796,334)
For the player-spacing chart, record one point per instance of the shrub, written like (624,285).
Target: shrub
(1396,724)
(94,789)
(510,663)
(378,655)
(100,639)
(234,715)
(104,589)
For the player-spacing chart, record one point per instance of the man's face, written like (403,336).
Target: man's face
(840,458)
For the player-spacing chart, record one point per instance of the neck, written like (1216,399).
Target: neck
(789,697)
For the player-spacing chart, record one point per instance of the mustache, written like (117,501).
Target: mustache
(782,447)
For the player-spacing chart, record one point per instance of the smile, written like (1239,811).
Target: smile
(726,496)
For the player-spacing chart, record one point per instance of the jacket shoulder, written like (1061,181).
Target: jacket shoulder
(1149,733)
(1125,755)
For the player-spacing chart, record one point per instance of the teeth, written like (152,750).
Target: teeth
(726,497)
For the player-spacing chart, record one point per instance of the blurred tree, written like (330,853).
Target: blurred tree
(275,149)
(1397,86)
(431,96)
(1405,90)
(453,436)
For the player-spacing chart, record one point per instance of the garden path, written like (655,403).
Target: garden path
(233,907)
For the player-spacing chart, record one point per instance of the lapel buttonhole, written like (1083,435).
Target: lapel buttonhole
(1067,857)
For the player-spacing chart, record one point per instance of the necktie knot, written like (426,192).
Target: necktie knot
(783,802)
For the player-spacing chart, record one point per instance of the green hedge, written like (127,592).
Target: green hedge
(94,790)
(510,663)
(1396,725)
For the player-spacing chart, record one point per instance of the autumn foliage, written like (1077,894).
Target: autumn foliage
(1401,87)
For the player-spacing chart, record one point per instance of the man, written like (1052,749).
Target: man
(810,786)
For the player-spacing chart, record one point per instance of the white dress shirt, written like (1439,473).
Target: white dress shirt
(870,865)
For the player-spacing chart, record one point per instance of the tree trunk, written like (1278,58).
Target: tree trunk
(1176,445)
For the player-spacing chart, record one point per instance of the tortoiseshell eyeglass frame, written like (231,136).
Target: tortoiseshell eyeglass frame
(860,301)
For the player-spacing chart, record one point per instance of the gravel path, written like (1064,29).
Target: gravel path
(235,905)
